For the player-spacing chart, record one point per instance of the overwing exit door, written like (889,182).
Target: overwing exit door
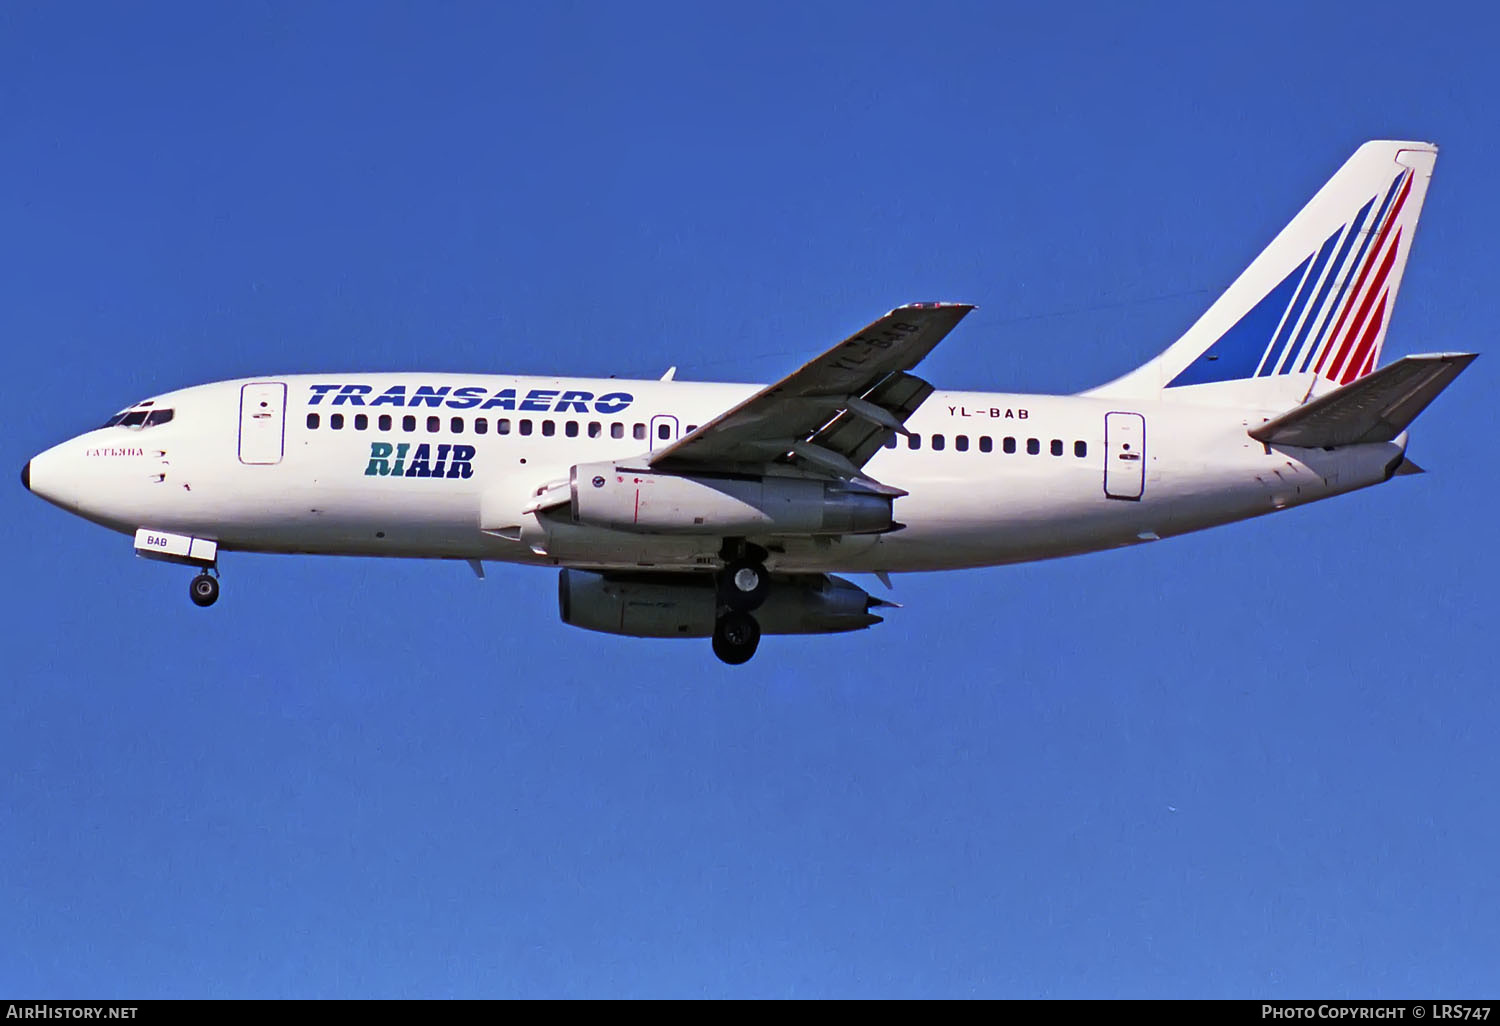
(262,422)
(663,431)
(1124,455)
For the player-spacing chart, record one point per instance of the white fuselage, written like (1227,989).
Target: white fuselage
(260,478)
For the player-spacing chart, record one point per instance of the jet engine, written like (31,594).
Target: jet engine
(686,605)
(607,495)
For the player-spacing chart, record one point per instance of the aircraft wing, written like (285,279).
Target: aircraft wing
(833,413)
(1375,408)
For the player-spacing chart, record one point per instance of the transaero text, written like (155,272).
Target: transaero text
(473,397)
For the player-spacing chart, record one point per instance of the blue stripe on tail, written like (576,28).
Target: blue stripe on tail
(1239,350)
(1273,353)
(1269,333)
(1338,267)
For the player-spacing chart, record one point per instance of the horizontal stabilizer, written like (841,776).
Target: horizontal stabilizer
(1375,408)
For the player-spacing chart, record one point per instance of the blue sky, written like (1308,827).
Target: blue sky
(382,778)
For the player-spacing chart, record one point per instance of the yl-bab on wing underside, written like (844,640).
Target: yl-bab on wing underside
(830,416)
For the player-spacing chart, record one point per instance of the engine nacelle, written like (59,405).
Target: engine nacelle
(684,605)
(606,495)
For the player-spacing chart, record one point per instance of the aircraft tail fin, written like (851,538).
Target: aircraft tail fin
(1376,408)
(1310,312)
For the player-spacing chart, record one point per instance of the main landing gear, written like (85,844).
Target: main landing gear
(204,591)
(743,585)
(736,637)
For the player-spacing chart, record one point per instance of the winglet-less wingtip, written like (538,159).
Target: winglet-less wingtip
(934,306)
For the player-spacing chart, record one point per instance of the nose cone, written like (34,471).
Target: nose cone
(41,477)
(57,475)
(97,477)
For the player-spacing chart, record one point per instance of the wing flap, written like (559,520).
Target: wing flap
(857,433)
(1375,408)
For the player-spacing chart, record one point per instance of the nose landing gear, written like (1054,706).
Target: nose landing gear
(204,590)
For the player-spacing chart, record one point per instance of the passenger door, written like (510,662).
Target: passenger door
(1124,455)
(262,422)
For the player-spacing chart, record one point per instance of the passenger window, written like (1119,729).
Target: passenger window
(408,423)
(914,441)
(961,443)
(595,428)
(361,422)
(312,420)
(890,443)
(549,428)
(617,430)
(571,429)
(456,425)
(1009,445)
(638,432)
(525,426)
(1057,447)
(1080,449)
(691,428)
(336,421)
(385,422)
(481,425)
(1033,446)
(434,425)
(502,426)
(986,443)
(664,432)
(938,442)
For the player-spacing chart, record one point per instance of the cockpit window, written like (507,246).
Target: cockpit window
(139,416)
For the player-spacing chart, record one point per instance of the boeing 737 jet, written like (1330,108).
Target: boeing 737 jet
(687,509)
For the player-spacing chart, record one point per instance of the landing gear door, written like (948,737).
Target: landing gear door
(262,422)
(1124,455)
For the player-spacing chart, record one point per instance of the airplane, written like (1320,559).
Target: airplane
(676,509)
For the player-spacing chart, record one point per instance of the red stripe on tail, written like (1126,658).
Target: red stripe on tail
(1359,282)
(1366,344)
(1338,367)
